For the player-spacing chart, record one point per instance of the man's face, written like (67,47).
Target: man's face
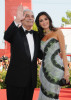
(28,20)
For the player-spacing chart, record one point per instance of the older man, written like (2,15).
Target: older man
(25,45)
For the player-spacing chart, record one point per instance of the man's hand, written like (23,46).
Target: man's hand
(19,15)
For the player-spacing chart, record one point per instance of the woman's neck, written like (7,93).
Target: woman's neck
(46,31)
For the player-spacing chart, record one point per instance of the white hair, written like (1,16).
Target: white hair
(27,10)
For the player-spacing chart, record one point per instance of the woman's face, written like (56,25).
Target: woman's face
(44,22)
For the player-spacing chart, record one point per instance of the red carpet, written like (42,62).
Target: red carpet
(65,94)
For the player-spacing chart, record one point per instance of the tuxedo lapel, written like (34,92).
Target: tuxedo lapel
(25,43)
(35,43)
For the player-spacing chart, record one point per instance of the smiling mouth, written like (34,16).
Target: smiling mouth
(29,21)
(44,25)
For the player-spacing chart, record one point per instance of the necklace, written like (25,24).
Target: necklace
(45,33)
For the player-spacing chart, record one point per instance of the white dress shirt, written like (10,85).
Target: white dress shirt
(30,42)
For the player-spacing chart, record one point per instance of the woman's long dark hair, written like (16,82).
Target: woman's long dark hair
(40,29)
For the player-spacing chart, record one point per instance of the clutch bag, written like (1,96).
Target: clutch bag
(62,82)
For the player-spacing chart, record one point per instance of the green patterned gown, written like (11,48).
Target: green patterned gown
(51,71)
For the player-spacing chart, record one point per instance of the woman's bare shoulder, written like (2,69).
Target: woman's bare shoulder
(59,32)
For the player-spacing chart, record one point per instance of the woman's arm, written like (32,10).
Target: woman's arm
(63,52)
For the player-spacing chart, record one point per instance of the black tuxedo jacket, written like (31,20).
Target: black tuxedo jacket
(22,71)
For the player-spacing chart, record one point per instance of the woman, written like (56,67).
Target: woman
(54,68)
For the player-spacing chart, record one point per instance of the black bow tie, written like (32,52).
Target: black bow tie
(26,31)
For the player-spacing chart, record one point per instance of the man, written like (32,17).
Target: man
(22,72)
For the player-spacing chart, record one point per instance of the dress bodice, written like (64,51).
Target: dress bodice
(49,42)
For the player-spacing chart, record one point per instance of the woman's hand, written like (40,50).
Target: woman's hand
(60,54)
(66,75)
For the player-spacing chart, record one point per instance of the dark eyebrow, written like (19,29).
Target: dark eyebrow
(27,14)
